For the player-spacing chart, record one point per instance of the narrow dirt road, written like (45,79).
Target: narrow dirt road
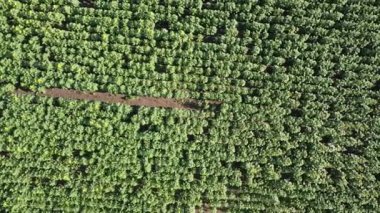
(113,98)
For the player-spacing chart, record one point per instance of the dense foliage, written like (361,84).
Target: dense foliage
(298,130)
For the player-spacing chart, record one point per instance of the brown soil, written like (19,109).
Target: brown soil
(112,98)
(206,209)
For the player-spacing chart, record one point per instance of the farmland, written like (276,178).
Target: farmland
(189,105)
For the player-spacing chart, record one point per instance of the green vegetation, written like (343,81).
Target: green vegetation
(298,128)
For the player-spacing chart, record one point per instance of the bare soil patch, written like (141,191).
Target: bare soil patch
(207,209)
(117,98)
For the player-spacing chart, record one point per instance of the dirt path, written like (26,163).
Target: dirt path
(112,98)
